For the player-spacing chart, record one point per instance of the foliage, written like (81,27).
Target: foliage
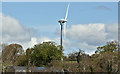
(72,57)
(107,59)
(110,47)
(11,52)
(56,65)
(22,60)
(49,54)
(42,54)
(104,60)
(75,56)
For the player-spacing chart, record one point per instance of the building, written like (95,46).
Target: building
(24,69)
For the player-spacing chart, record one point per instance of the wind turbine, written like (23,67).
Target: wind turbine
(63,21)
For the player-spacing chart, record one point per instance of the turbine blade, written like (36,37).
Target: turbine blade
(67,11)
(64,29)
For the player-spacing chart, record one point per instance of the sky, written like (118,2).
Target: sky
(60,0)
(89,24)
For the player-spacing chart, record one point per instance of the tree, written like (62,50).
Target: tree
(110,47)
(10,54)
(22,60)
(79,55)
(42,54)
(108,56)
(45,52)
(72,57)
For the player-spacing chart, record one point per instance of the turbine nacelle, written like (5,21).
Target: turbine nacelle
(62,21)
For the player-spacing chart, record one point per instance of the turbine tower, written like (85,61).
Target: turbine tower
(63,21)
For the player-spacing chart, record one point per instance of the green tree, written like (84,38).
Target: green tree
(43,53)
(22,60)
(109,47)
(107,60)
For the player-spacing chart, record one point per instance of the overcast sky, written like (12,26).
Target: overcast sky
(90,24)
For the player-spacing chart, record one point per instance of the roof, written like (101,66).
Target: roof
(24,68)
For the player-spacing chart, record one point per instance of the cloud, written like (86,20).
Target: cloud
(89,36)
(103,8)
(44,39)
(29,44)
(13,31)
(93,34)
(37,40)
(83,36)
(112,31)
(86,46)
